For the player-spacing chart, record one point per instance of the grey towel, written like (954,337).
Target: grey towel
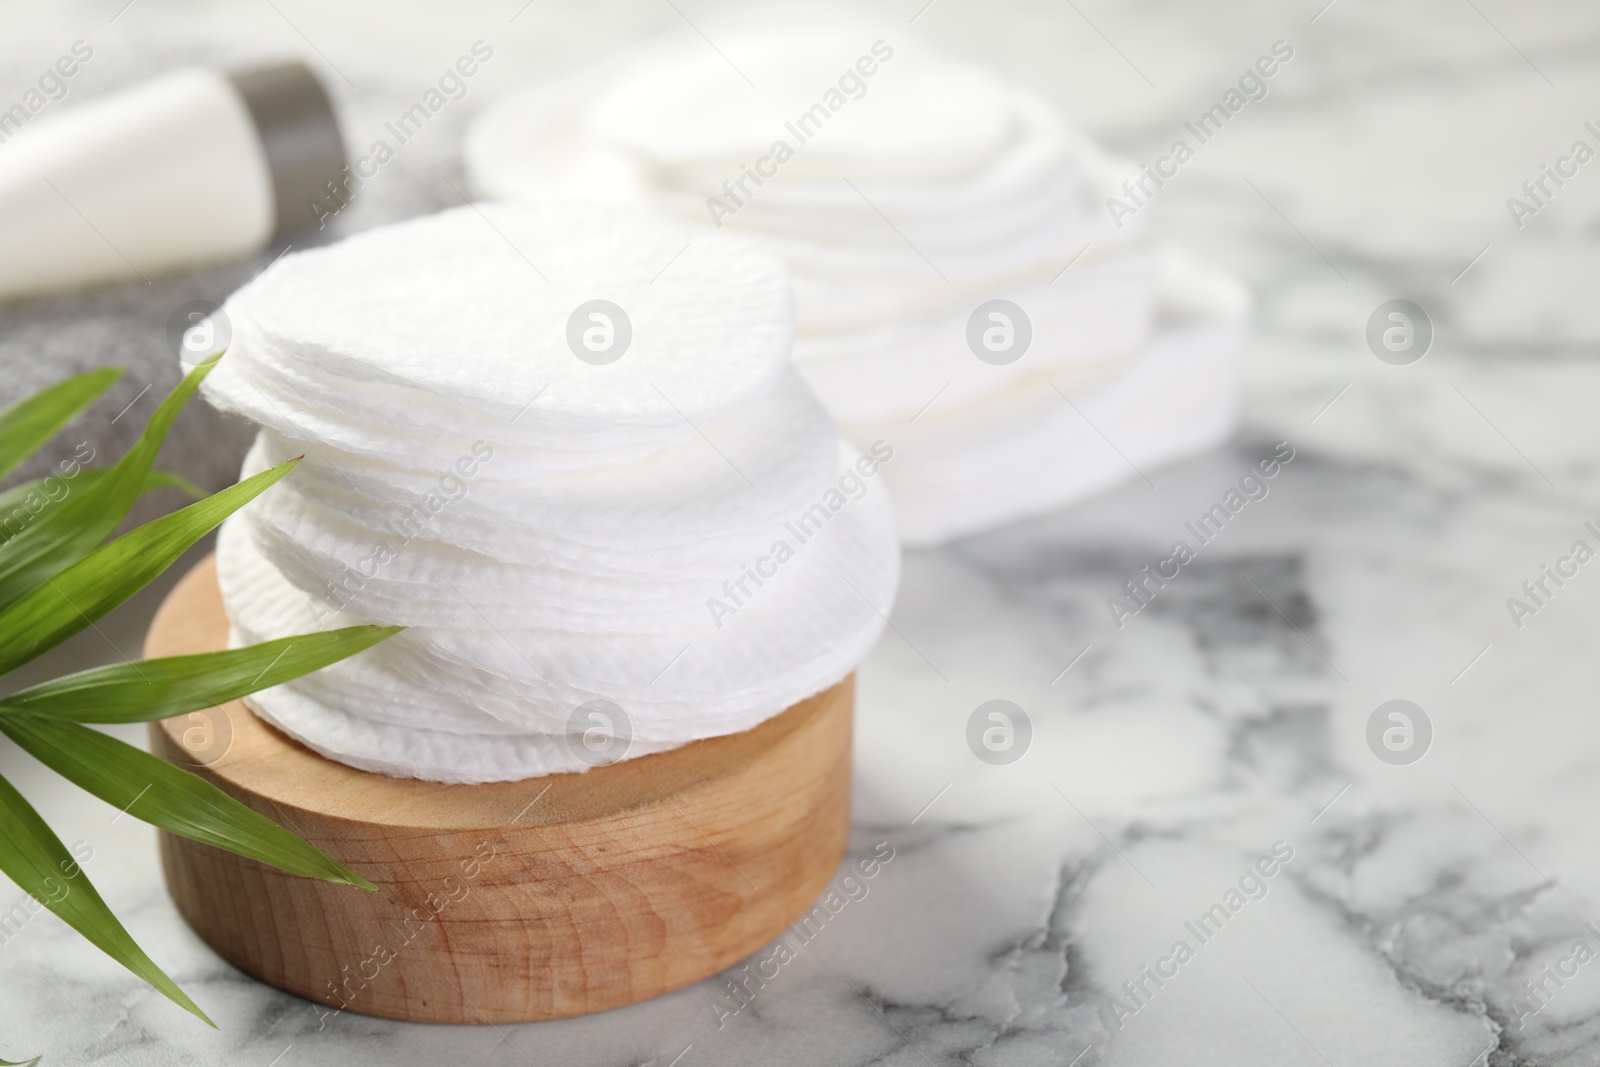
(45,340)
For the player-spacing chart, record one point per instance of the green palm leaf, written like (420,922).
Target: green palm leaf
(161,688)
(86,590)
(34,858)
(57,576)
(149,788)
(26,426)
(70,529)
(21,504)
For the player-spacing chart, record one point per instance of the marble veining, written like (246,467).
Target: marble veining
(1431,913)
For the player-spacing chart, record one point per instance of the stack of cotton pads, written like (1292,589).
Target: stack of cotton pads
(565,501)
(906,191)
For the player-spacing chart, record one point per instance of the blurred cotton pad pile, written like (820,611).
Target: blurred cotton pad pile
(909,193)
(566,501)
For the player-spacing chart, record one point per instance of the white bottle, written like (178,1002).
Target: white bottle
(193,167)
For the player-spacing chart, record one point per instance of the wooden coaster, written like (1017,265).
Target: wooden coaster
(508,901)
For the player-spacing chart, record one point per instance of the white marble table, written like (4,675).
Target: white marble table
(1421,903)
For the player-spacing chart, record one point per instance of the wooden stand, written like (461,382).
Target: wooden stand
(512,901)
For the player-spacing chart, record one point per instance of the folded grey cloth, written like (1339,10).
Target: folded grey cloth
(45,340)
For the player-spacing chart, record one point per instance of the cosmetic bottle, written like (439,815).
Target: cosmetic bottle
(194,167)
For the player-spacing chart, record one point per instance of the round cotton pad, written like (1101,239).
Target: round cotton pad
(903,188)
(909,193)
(676,531)
(685,106)
(472,306)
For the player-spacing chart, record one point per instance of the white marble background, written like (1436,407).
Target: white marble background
(1229,716)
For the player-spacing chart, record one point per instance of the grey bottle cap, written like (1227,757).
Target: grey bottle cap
(299,135)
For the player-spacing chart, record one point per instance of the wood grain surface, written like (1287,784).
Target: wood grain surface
(506,901)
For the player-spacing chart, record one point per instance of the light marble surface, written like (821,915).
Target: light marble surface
(1227,717)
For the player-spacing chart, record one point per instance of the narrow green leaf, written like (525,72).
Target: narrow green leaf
(178,801)
(21,504)
(160,479)
(67,532)
(32,856)
(29,424)
(110,574)
(161,688)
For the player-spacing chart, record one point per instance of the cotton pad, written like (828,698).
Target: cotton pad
(471,308)
(1082,328)
(1037,445)
(677,531)
(908,192)
(935,118)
